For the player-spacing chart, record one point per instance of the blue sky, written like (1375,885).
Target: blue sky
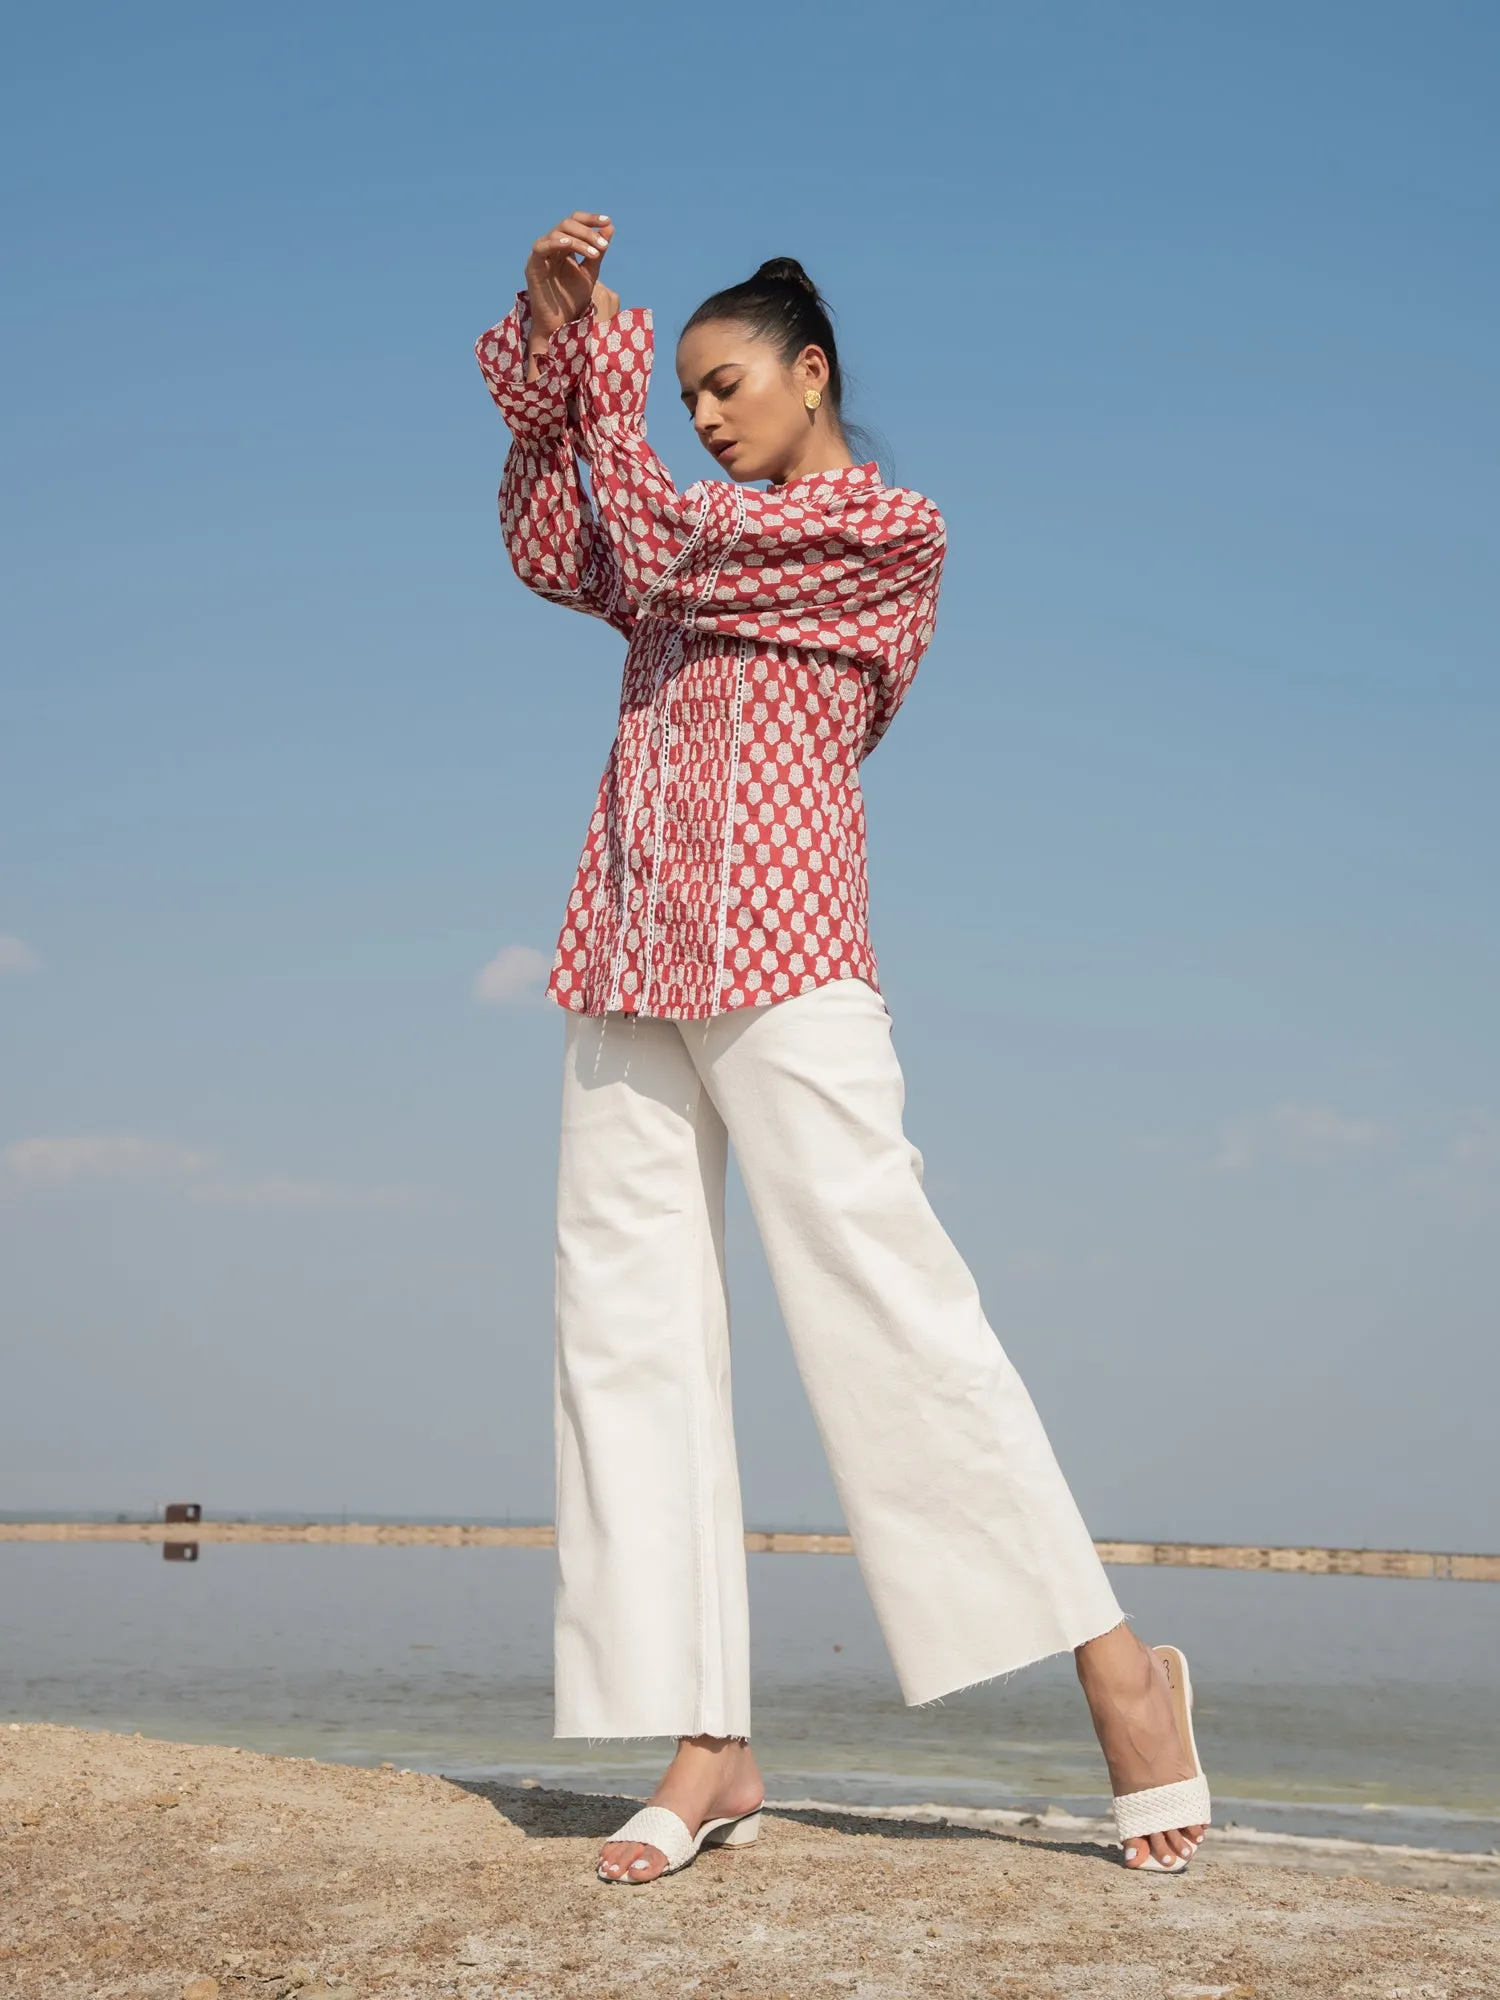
(1184,847)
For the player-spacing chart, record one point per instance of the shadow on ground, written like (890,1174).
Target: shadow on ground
(547,1815)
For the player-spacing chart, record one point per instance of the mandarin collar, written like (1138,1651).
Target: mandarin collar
(838,476)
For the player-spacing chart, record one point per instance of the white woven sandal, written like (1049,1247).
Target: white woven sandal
(1164,1808)
(659,1827)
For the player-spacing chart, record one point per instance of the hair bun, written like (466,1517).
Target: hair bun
(787,271)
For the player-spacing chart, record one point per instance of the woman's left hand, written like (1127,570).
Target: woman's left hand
(561,270)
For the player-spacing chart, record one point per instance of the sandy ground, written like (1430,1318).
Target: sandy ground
(137,1868)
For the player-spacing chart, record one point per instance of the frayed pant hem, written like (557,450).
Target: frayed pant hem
(1007,1672)
(592,1737)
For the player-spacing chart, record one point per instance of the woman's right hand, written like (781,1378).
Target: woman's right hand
(563,269)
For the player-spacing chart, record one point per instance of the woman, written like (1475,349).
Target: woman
(720,986)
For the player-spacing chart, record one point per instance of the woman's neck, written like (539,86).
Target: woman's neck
(823,454)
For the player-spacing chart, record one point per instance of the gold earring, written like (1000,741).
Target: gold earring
(813,398)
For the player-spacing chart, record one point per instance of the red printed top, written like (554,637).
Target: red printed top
(772,637)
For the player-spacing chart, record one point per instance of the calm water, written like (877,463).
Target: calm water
(1340,1705)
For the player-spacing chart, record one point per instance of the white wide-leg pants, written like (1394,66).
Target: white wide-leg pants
(975,1555)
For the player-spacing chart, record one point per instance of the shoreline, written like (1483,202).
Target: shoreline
(138,1868)
(1442,1869)
(1239,1823)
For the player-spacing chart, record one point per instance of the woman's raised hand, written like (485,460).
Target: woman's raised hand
(563,271)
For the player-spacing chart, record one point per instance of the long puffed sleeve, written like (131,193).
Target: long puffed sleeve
(556,545)
(833,561)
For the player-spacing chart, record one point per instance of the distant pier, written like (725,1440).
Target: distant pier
(1419,1563)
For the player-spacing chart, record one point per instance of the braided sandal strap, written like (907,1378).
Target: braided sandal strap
(1163,1808)
(655,1826)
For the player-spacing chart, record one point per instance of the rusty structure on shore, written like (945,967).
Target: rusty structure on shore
(1417,1563)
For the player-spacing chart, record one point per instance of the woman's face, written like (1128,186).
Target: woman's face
(746,403)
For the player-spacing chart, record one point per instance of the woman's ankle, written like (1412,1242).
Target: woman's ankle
(1115,1665)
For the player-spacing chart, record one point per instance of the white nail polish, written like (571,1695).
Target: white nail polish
(1130,1854)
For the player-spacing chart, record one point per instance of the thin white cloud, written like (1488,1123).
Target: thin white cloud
(16,955)
(513,978)
(1315,1135)
(1468,1179)
(129,1159)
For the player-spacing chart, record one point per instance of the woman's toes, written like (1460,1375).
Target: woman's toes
(617,1857)
(1166,1848)
(628,1861)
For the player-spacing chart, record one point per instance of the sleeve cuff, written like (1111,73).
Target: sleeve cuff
(612,387)
(534,409)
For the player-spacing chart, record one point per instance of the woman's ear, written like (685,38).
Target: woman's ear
(811,368)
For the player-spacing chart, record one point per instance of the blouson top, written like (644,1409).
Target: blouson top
(772,637)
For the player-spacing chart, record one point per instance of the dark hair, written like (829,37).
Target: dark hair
(781,303)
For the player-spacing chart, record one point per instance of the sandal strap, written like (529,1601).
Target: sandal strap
(659,1827)
(1163,1808)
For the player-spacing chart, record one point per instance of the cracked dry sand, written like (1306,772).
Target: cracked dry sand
(130,1868)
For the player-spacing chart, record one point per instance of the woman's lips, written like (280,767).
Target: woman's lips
(723,450)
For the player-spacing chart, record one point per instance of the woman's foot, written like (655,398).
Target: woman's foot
(711,1777)
(1128,1697)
